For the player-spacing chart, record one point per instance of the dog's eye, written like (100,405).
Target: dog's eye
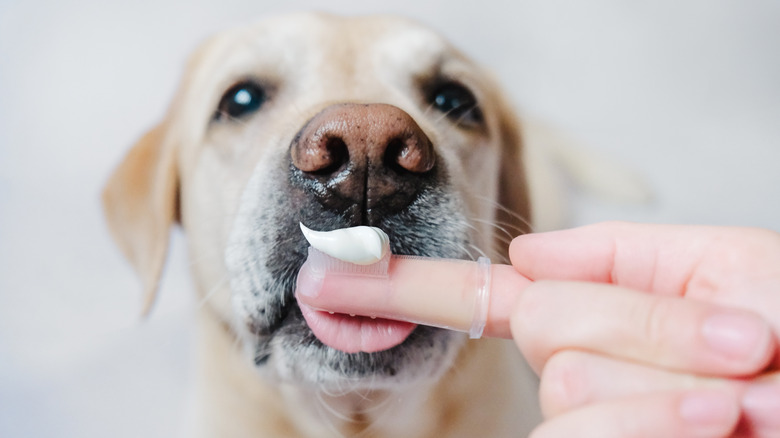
(456,102)
(240,100)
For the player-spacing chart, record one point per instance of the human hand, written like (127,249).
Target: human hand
(670,334)
(652,330)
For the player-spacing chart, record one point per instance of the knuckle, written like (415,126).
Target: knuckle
(563,384)
(656,316)
(528,313)
(532,317)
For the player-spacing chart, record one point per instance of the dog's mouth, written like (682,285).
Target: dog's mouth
(296,343)
(352,334)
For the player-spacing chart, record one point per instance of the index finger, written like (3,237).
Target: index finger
(667,259)
(430,291)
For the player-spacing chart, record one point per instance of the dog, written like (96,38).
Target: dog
(333,122)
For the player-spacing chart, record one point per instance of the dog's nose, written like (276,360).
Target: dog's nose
(373,135)
(364,154)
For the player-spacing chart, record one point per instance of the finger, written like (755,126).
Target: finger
(667,259)
(761,407)
(723,265)
(700,413)
(669,332)
(572,379)
(437,292)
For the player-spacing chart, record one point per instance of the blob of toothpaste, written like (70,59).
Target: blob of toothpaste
(350,270)
(361,245)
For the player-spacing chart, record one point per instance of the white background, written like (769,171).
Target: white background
(686,93)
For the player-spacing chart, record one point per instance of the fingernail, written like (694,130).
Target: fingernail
(307,284)
(736,335)
(761,403)
(707,412)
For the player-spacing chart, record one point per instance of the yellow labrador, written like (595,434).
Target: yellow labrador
(332,122)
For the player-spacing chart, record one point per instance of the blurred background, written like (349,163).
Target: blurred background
(684,94)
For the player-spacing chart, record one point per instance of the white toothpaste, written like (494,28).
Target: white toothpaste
(360,245)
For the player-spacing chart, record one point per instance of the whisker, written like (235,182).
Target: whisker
(477,249)
(323,409)
(459,120)
(332,410)
(496,225)
(207,296)
(507,226)
(442,116)
(378,419)
(378,406)
(497,205)
(428,109)
(467,252)
(478,234)
(336,392)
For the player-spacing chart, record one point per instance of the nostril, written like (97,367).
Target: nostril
(319,154)
(392,153)
(413,153)
(337,154)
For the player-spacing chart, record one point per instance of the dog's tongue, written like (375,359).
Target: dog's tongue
(352,334)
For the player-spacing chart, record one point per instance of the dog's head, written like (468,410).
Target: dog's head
(332,122)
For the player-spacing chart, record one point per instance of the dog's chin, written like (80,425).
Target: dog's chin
(293,354)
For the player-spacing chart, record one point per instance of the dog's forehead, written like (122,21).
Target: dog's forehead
(389,35)
(294,45)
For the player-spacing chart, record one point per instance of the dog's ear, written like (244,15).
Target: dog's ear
(514,213)
(140,202)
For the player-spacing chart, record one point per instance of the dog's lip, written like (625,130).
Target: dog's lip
(353,334)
